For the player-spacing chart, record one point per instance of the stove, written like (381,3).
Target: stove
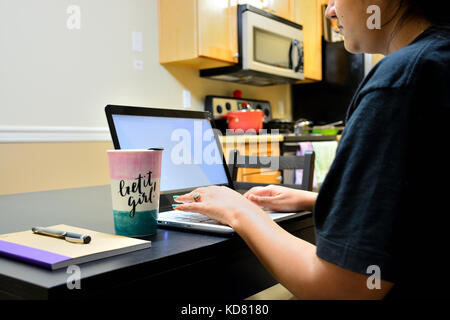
(219,106)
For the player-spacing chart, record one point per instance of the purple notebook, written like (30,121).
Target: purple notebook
(53,253)
(35,256)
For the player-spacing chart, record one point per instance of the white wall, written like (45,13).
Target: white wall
(51,76)
(55,83)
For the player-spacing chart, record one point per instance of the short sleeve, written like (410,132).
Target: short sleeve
(358,204)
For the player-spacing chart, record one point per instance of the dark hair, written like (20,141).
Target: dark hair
(431,10)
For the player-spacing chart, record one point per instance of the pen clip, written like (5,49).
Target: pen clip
(49,232)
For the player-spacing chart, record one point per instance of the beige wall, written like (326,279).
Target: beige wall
(376,58)
(28,167)
(55,77)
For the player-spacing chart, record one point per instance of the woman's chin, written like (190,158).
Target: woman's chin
(352,46)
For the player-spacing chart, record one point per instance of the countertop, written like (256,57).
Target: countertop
(286,137)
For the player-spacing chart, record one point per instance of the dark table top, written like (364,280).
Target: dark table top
(91,208)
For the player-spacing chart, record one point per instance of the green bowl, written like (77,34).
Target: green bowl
(326,132)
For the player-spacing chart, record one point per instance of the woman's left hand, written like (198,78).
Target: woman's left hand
(218,203)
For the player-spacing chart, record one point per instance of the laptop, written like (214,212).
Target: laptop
(192,158)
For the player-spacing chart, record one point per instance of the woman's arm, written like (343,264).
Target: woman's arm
(294,263)
(291,260)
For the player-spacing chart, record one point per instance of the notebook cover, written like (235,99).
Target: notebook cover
(35,256)
(53,253)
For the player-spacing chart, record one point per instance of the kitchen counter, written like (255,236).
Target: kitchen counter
(290,137)
(270,145)
(251,138)
(285,137)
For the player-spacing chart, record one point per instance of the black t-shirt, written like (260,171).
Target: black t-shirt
(386,198)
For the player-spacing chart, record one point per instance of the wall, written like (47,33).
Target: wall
(376,58)
(56,78)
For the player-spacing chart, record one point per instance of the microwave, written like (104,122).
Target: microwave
(270,50)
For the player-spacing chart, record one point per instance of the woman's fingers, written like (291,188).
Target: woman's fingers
(251,191)
(198,207)
(262,200)
(188,197)
(191,206)
(260,191)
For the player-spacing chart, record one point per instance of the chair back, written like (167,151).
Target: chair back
(305,162)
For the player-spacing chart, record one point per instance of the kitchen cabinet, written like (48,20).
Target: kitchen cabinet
(198,33)
(308,13)
(203,33)
(254,145)
(282,8)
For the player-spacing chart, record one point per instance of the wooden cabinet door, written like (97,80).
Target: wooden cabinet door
(177,30)
(269,176)
(308,13)
(197,33)
(282,8)
(217,30)
(254,146)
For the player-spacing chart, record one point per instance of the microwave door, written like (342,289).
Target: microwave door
(271,46)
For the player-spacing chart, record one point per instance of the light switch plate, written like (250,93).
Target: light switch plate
(136,41)
(187,99)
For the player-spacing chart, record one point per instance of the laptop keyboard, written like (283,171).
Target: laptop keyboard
(186,217)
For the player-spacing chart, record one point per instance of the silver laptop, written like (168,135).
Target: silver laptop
(192,158)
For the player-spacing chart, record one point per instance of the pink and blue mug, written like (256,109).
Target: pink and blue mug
(135,181)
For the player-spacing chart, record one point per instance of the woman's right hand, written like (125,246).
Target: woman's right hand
(282,199)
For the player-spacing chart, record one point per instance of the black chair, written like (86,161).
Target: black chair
(305,162)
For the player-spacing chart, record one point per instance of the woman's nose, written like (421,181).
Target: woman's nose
(330,13)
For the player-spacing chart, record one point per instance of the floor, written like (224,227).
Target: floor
(277,292)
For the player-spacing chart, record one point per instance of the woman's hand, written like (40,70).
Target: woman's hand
(218,203)
(282,199)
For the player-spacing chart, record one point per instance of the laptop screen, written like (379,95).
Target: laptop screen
(191,157)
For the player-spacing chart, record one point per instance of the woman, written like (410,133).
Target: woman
(382,210)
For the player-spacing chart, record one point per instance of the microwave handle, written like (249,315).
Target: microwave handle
(295,43)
